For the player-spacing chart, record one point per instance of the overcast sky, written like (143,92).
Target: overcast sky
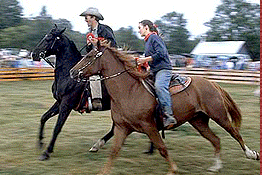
(121,13)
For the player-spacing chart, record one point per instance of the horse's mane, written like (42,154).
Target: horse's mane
(129,63)
(73,47)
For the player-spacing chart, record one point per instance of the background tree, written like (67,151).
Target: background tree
(31,30)
(173,27)
(16,37)
(126,38)
(236,20)
(10,13)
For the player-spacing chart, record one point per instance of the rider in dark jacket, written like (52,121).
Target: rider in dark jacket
(104,31)
(92,17)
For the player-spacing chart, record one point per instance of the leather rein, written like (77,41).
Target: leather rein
(98,55)
(42,55)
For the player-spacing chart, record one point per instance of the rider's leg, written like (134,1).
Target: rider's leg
(96,92)
(162,80)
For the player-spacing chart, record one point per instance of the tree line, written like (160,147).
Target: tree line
(233,20)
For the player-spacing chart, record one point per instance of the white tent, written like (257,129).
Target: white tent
(220,48)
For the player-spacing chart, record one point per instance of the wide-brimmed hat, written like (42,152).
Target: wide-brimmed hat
(93,11)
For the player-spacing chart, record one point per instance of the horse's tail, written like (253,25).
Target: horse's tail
(231,106)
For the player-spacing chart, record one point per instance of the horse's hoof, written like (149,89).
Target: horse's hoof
(99,144)
(258,156)
(252,154)
(214,169)
(148,152)
(217,167)
(44,156)
(93,149)
(172,173)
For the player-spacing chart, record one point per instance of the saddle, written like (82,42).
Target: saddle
(177,84)
(85,103)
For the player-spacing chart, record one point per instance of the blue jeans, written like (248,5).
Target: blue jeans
(162,80)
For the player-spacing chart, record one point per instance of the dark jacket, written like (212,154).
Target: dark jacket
(106,32)
(156,48)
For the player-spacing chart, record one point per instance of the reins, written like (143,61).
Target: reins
(103,78)
(43,53)
(98,55)
(82,48)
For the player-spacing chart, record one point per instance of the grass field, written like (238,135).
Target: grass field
(22,104)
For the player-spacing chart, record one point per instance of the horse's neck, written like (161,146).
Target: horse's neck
(66,58)
(128,94)
(123,86)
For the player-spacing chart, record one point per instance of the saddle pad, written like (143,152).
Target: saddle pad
(178,83)
(178,88)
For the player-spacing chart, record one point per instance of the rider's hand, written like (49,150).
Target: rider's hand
(142,60)
(94,41)
(88,42)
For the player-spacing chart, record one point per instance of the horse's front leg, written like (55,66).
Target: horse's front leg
(54,110)
(156,139)
(64,112)
(101,142)
(120,136)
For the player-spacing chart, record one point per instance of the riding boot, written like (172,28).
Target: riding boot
(97,104)
(169,121)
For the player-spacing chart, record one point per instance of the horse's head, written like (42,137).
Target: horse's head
(88,65)
(107,61)
(48,45)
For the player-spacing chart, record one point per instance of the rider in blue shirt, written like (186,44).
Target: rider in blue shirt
(156,55)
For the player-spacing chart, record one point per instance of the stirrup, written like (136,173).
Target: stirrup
(169,122)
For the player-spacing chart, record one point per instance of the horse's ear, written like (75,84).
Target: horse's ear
(56,26)
(62,31)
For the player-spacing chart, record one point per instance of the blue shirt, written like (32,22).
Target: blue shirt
(156,48)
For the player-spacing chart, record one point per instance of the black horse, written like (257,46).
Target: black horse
(66,91)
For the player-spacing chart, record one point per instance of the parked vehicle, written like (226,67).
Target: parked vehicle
(178,60)
(19,58)
(231,61)
(254,66)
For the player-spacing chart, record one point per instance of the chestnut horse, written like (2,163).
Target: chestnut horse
(133,108)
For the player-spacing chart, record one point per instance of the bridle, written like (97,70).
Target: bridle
(42,54)
(97,55)
(93,60)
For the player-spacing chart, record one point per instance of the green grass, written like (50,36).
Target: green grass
(23,103)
